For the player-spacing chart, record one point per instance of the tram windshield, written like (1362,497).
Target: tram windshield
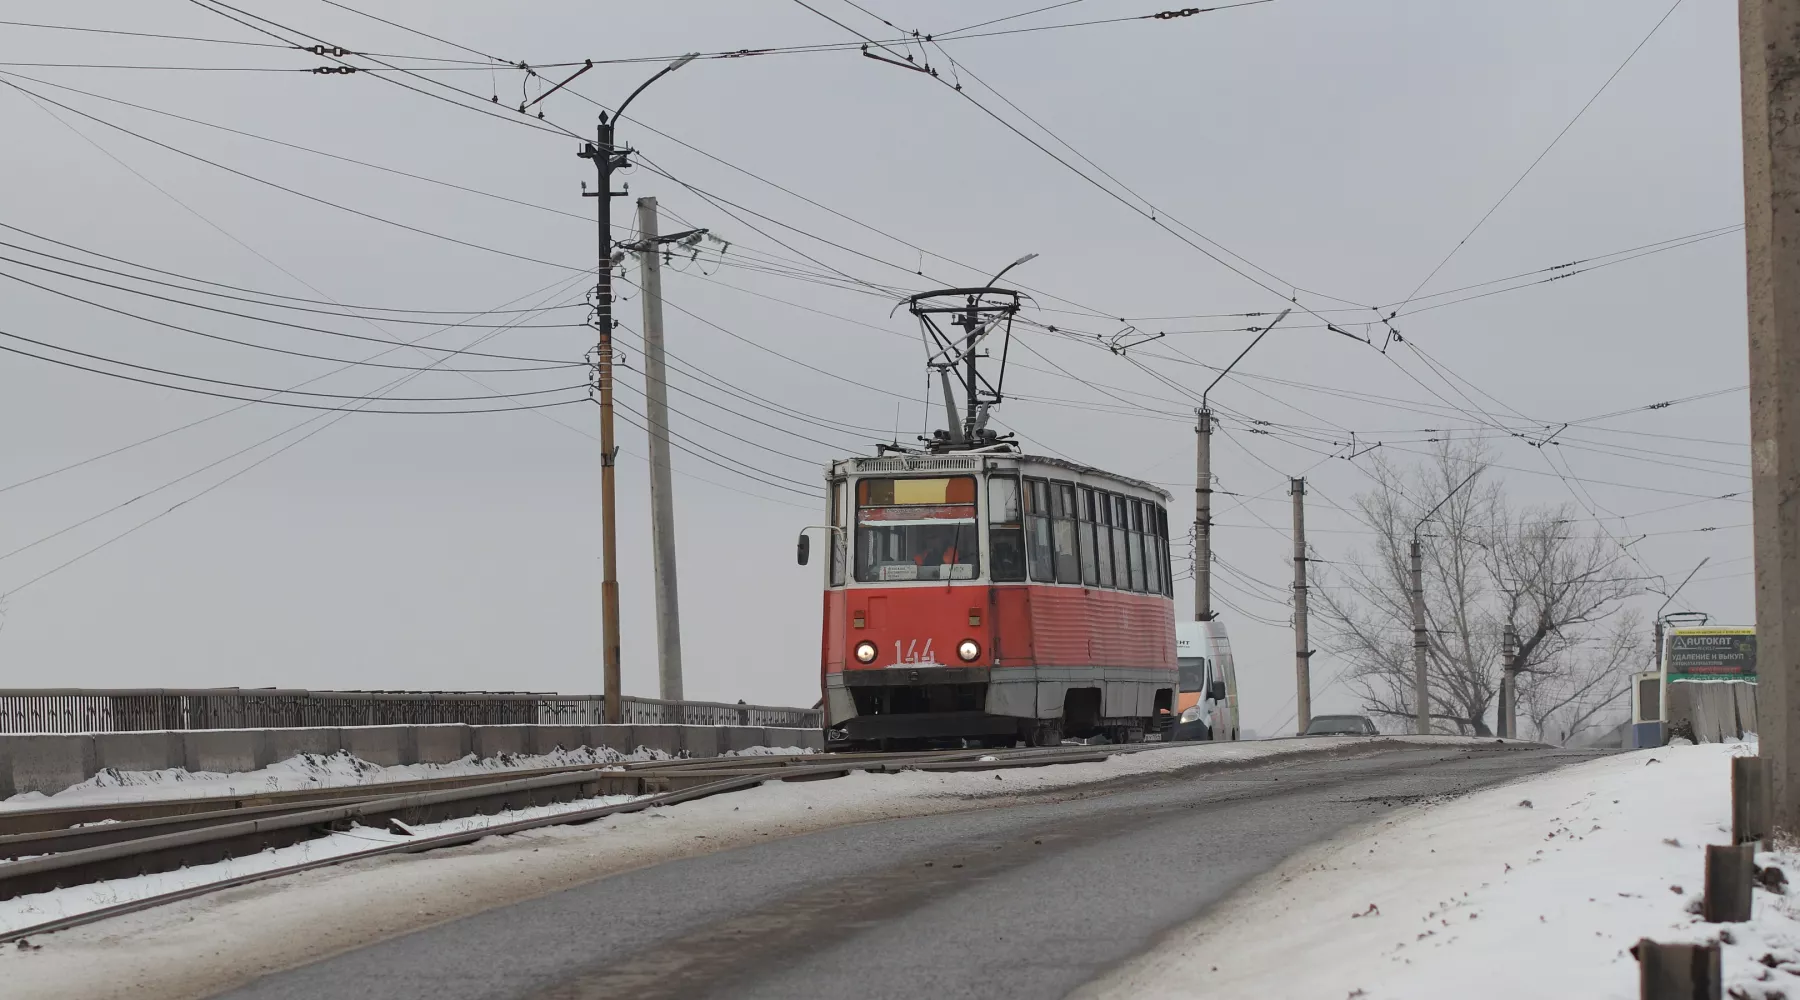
(916,529)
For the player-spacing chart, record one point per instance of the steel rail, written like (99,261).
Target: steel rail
(23,821)
(58,857)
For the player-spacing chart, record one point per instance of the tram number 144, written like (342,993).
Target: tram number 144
(913,655)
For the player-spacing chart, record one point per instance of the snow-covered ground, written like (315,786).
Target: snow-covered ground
(1534,889)
(26,911)
(317,771)
(206,945)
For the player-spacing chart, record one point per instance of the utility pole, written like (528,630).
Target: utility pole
(1770,47)
(1508,722)
(1302,654)
(1421,693)
(1203,611)
(662,489)
(1421,683)
(606,160)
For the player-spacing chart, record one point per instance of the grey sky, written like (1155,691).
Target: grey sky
(1345,147)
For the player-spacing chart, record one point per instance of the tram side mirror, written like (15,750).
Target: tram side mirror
(804,549)
(1217,691)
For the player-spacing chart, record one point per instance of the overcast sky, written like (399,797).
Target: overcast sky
(1336,151)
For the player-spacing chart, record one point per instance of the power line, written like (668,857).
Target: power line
(207,419)
(1540,157)
(282,187)
(266,401)
(548,363)
(260,292)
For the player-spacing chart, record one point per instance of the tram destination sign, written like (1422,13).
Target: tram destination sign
(1712,654)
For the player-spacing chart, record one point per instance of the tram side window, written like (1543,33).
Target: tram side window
(1153,560)
(1103,537)
(1006,531)
(1169,558)
(1125,568)
(916,529)
(1162,524)
(1040,552)
(1084,534)
(836,536)
(1068,564)
(1138,564)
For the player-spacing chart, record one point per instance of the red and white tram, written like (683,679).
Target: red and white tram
(990,596)
(974,594)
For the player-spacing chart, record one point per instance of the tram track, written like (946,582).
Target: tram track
(154,837)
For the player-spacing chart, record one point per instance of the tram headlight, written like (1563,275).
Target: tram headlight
(968,649)
(865,652)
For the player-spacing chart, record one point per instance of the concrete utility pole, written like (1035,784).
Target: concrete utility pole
(662,489)
(1769,49)
(1302,654)
(1508,722)
(1421,692)
(1421,683)
(607,159)
(1203,611)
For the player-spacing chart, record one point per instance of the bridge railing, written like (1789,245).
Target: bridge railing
(88,710)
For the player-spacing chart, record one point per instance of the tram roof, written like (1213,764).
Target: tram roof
(972,462)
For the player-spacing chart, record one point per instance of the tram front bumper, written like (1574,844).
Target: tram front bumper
(920,702)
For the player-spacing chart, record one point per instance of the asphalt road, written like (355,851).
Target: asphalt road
(1022,901)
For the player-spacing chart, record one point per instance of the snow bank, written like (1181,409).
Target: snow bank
(1536,888)
(768,752)
(307,770)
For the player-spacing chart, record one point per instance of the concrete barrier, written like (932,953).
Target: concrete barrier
(703,741)
(226,750)
(441,744)
(388,746)
(152,751)
(668,739)
(545,739)
(806,739)
(51,762)
(611,737)
(491,741)
(286,743)
(745,737)
(48,763)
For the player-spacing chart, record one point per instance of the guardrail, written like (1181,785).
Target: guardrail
(79,710)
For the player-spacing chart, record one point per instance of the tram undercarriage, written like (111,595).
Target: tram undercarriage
(910,708)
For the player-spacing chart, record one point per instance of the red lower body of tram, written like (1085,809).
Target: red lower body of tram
(994,663)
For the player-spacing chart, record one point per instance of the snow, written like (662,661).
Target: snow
(25,911)
(1535,888)
(769,752)
(308,770)
(206,945)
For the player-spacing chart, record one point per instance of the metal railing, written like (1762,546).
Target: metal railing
(77,710)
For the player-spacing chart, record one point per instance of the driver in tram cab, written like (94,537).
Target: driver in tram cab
(940,551)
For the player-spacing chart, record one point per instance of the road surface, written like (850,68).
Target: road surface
(1022,901)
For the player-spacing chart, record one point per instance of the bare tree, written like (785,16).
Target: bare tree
(1484,567)
(1562,705)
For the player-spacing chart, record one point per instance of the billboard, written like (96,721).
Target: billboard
(1722,653)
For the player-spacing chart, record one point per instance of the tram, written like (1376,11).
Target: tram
(977,595)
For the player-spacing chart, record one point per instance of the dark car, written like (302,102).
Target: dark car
(1342,725)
